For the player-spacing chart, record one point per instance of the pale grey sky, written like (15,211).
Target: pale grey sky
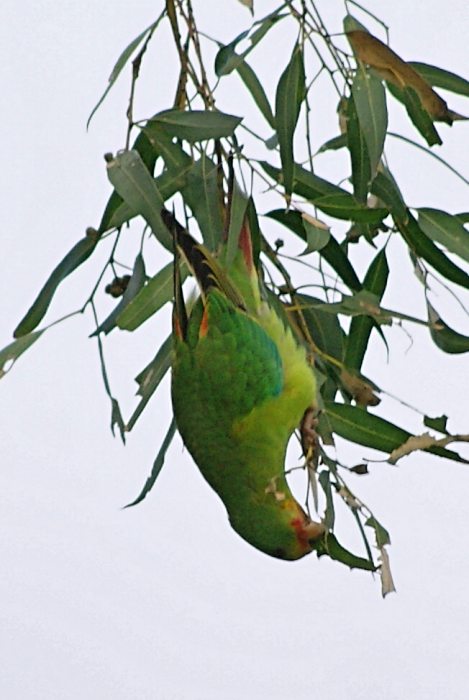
(164,600)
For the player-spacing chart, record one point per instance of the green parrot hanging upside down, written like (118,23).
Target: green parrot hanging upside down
(241,385)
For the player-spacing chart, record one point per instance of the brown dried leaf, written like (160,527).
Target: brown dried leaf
(387,583)
(361,390)
(392,68)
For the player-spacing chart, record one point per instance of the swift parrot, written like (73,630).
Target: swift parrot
(241,385)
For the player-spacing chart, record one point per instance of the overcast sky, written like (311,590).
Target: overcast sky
(164,600)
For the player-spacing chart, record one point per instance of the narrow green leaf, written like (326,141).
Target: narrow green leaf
(150,378)
(116,211)
(370,103)
(363,428)
(120,64)
(359,156)
(332,548)
(385,188)
(227,60)
(202,195)
(157,465)
(334,144)
(438,77)
(80,252)
(291,91)
(174,156)
(11,352)
(423,247)
(438,423)
(197,125)
(317,237)
(254,86)
(446,230)
(157,292)
(420,117)
(332,252)
(324,328)
(361,326)
(132,181)
(135,284)
(443,336)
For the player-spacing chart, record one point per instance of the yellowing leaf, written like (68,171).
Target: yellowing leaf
(392,68)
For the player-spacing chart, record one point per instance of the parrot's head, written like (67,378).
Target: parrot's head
(280,528)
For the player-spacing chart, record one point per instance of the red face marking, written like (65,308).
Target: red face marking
(301,534)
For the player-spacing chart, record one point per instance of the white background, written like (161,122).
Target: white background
(164,600)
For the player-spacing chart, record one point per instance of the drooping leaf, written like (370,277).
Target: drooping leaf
(423,247)
(381,534)
(80,252)
(11,352)
(317,234)
(157,465)
(445,229)
(386,189)
(202,195)
(197,125)
(228,60)
(331,546)
(324,328)
(332,252)
(135,284)
(359,156)
(361,326)
(131,179)
(254,86)
(370,104)
(443,336)
(419,116)
(157,292)
(117,211)
(364,428)
(291,91)
(334,144)
(150,378)
(120,64)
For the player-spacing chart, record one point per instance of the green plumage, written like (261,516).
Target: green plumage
(240,386)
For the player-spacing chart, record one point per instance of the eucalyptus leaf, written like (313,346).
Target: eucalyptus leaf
(131,179)
(155,294)
(370,102)
(150,378)
(157,465)
(361,326)
(11,352)
(445,229)
(80,252)
(443,336)
(291,91)
(197,125)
